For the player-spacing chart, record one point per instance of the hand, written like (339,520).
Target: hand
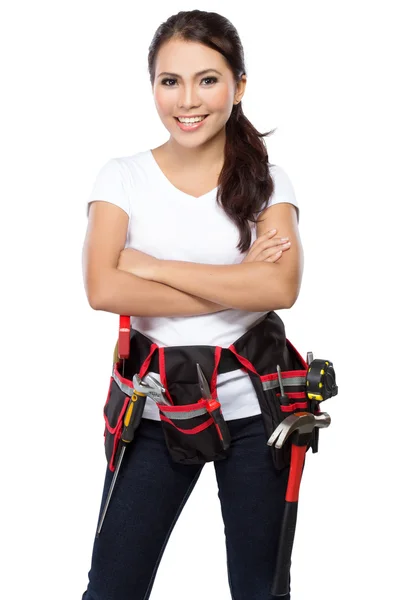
(266,248)
(138,263)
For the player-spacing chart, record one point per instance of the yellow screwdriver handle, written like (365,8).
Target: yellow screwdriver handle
(133,415)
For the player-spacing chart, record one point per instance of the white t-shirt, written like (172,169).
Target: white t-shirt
(172,225)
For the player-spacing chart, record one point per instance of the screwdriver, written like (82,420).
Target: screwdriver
(283,398)
(132,419)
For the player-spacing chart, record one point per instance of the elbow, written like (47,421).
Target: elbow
(289,304)
(94,296)
(291,295)
(97,286)
(93,299)
(94,303)
(100,298)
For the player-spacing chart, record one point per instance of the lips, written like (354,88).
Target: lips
(190,117)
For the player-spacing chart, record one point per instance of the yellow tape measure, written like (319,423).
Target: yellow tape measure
(321,380)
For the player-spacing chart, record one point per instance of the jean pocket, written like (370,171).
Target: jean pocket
(194,433)
(113,411)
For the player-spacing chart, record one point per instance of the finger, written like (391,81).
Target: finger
(278,243)
(271,254)
(266,241)
(276,256)
(260,243)
(266,236)
(269,250)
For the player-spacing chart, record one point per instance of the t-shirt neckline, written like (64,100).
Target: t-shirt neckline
(171,185)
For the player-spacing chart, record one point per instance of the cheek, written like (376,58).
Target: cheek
(163,102)
(220,101)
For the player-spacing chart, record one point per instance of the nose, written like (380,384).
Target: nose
(188,97)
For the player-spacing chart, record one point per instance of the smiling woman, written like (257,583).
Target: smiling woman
(244,180)
(186,240)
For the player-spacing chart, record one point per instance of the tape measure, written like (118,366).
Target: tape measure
(321,380)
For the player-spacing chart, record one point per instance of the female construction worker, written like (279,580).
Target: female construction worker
(198,241)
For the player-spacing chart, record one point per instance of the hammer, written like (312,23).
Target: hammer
(301,426)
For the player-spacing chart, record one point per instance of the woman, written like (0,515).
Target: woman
(162,245)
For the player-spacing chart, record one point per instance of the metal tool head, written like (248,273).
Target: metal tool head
(155,384)
(205,390)
(152,388)
(302,422)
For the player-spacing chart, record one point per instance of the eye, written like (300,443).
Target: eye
(164,80)
(213,79)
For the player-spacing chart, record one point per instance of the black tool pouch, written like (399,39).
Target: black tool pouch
(191,434)
(267,345)
(273,412)
(192,431)
(114,411)
(194,428)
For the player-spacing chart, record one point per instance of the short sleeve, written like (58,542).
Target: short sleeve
(284,191)
(111,185)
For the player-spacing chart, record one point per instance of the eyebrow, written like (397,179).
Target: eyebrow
(196,75)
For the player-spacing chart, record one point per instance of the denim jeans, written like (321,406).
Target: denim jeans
(149,495)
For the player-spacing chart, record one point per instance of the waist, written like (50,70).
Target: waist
(216,329)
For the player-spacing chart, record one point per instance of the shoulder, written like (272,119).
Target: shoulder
(280,177)
(113,184)
(125,164)
(283,189)
(122,171)
(135,168)
(117,179)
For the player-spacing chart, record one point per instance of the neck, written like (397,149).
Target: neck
(206,156)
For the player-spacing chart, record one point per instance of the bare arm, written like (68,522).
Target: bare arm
(254,286)
(115,291)
(131,295)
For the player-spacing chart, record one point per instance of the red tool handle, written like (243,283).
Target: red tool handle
(281,581)
(124,337)
(214,409)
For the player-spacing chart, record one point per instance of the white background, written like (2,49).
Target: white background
(76,92)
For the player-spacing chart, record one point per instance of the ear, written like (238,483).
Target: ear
(240,88)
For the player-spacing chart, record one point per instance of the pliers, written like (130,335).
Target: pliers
(214,409)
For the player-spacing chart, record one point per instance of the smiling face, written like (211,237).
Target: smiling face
(179,90)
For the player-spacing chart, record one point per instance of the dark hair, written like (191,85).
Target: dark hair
(245,182)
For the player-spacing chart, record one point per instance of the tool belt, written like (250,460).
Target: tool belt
(192,436)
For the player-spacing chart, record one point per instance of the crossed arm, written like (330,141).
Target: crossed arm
(252,286)
(153,287)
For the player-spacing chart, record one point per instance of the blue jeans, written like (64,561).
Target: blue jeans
(149,495)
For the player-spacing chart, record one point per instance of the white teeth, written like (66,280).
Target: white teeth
(192,120)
